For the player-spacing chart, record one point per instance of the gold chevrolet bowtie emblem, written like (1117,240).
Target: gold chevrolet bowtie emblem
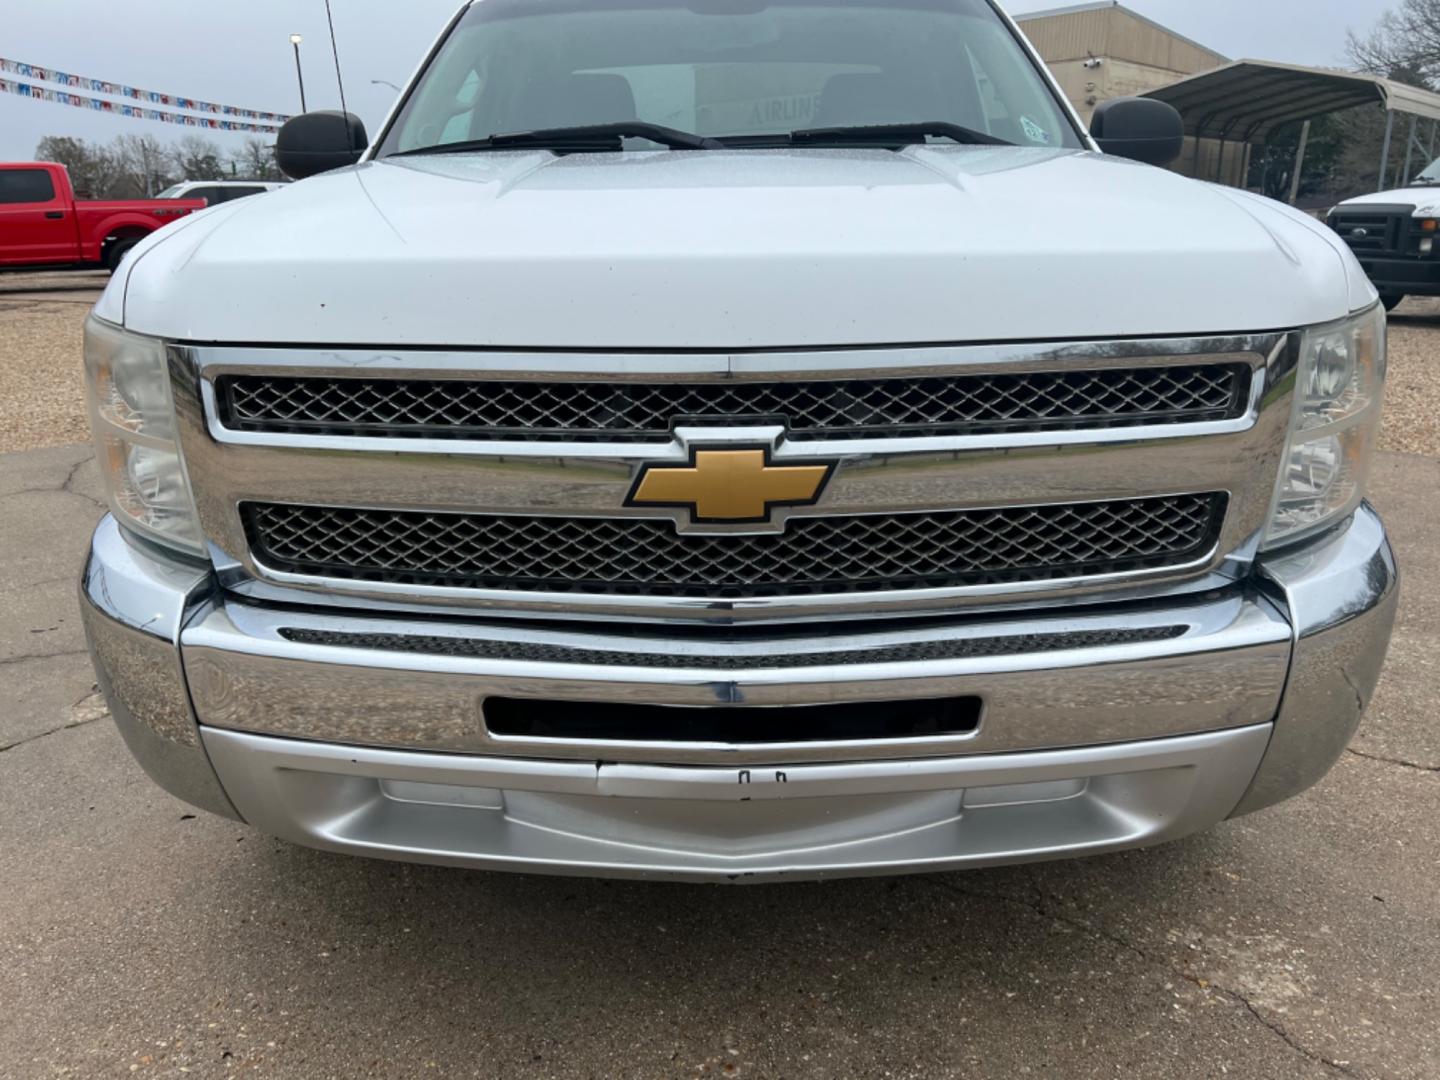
(729,485)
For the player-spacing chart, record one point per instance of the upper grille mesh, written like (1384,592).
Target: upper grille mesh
(952,404)
(813,555)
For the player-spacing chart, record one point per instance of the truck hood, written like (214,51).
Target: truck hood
(739,249)
(1425,200)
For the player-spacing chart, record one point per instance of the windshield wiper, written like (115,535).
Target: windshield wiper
(894,135)
(577,139)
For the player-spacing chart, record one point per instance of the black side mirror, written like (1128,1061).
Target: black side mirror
(317,142)
(1141,129)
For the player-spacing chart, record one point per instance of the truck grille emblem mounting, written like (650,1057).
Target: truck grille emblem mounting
(731,485)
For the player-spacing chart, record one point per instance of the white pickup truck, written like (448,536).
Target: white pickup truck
(1396,236)
(734,440)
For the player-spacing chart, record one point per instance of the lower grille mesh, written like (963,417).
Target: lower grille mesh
(814,555)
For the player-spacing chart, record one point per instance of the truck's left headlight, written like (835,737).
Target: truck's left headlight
(1338,387)
(132,418)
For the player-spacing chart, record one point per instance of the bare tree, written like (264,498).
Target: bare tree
(255,160)
(135,166)
(144,161)
(95,170)
(196,158)
(1404,45)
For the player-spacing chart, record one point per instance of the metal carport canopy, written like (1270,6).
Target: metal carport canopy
(1248,99)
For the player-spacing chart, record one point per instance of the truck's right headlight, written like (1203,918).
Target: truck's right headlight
(1333,429)
(133,420)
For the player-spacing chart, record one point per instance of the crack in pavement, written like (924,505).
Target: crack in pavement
(70,479)
(48,491)
(1393,761)
(62,488)
(29,657)
(1048,911)
(68,726)
(68,579)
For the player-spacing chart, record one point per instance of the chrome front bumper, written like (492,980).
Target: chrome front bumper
(1248,696)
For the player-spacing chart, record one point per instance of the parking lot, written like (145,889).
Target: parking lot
(140,938)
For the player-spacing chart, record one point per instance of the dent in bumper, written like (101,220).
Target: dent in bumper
(133,606)
(1341,595)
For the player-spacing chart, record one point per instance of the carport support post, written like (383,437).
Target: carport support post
(1385,149)
(1299,162)
(1409,150)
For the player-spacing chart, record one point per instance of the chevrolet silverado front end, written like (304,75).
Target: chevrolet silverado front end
(743,504)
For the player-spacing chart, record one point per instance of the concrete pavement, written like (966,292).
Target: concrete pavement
(137,938)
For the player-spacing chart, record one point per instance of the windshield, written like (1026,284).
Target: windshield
(736,70)
(1431,175)
(172,192)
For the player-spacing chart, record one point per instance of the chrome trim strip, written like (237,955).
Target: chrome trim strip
(1239,457)
(854,607)
(1226,670)
(763,366)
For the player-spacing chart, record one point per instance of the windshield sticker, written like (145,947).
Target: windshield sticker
(1033,131)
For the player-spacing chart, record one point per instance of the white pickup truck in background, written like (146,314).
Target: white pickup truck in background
(1396,236)
(734,440)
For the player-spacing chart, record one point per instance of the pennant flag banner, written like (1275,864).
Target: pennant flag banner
(220,117)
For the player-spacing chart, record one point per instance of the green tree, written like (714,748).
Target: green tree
(1272,167)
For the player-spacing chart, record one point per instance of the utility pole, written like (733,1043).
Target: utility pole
(295,40)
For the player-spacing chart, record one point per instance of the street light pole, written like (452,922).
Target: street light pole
(295,40)
(385,82)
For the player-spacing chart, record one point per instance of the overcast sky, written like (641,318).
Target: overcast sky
(239,53)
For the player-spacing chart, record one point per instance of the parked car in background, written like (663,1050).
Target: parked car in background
(1396,236)
(42,223)
(215,192)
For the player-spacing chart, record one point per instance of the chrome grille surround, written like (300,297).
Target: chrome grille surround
(1236,457)
(910,407)
(814,555)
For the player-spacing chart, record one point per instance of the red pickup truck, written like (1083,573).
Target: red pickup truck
(43,224)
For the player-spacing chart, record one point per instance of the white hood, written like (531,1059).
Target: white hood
(737,249)
(1425,201)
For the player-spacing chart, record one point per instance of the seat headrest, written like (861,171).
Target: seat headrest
(851,100)
(599,99)
(570,101)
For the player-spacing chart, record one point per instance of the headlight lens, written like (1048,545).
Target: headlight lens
(1338,385)
(133,421)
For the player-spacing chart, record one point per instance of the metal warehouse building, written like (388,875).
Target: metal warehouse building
(1099,51)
